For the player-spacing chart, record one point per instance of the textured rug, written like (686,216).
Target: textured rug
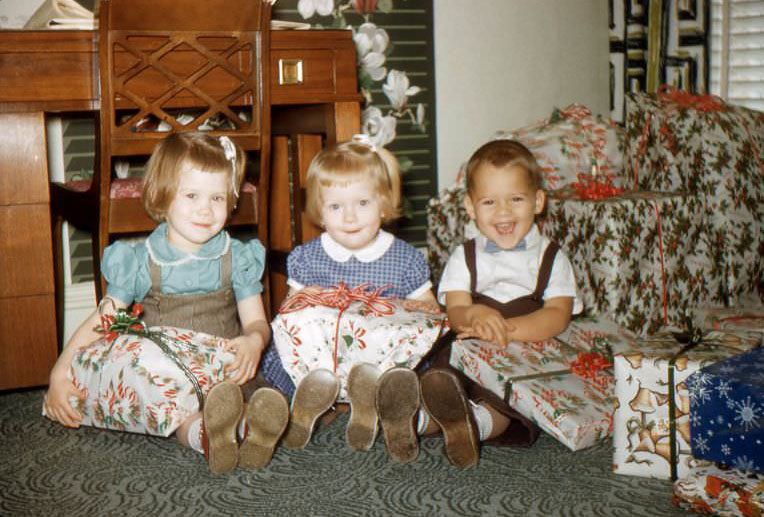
(47,470)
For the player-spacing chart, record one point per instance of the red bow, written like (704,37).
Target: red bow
(340,297)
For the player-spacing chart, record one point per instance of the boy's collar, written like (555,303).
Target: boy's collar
(531,239)
(368,253)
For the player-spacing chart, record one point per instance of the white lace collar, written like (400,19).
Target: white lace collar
(369,253)
(163,254)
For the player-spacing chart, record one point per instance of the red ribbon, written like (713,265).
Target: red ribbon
(589,365)
(340,297)
(687,100)
(590,187)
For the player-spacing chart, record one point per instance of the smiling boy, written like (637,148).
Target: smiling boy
(508,284)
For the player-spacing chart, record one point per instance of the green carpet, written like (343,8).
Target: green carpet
(48,470)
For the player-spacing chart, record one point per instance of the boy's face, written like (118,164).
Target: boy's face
(503,204)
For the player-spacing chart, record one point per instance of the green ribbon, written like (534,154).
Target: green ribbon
(129,323)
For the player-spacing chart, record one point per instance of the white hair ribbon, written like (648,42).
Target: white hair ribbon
(230,155)
(364,139)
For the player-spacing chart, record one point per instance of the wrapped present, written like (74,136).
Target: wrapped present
(597,334)
(536,380)
(147,382)
(635,256)
(339,327)
(733,318)
(569,142)
(713,150)
(651,433)
(727,411)
(493,367)
(714,490)
(576,411)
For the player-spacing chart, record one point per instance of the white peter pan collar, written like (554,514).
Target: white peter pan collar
(369,253)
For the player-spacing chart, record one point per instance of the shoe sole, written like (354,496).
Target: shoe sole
(267,417)
(361,387)
(222,411)
(314,396)
(446,402)
(397,402)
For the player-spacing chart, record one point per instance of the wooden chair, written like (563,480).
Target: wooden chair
(169,66)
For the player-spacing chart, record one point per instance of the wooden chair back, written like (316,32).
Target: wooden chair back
(175,66)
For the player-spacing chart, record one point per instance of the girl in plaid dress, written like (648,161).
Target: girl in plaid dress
(352,190)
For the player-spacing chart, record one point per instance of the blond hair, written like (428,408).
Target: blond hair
(504,154)
(349,162)
(181,151)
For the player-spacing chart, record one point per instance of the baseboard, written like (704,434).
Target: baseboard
(79,302)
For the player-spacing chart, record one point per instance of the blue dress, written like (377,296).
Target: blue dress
(126,267)
(401,270)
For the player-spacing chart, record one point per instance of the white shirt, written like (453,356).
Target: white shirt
(507,275)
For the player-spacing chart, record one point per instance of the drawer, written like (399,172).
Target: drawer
(23,159)
(305,76)
(28,341)
(26,259)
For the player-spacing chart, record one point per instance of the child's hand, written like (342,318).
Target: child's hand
(486,324)
(57,405)
(248,350)
(421,305)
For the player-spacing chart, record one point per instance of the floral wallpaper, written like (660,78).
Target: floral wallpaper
(372,46)
(394,45)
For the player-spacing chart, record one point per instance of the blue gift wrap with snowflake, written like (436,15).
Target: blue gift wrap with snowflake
(727,412)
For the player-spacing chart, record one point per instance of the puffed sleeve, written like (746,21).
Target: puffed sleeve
(455,275)
(416,275)
(562,282)
(248,267)
(125,269)
(298,268)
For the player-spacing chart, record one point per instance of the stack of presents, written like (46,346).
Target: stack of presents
(662,221)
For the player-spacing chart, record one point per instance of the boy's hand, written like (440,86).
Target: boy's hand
(56,403)
(486,324)
(248,350)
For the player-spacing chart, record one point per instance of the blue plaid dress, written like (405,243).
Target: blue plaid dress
(402,268)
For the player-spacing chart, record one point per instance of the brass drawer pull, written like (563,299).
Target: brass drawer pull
(290,71)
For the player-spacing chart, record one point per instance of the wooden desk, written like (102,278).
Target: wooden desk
(57,71)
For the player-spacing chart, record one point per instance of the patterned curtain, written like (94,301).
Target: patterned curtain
(655,42)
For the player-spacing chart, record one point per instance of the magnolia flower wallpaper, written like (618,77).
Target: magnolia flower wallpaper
(393,40)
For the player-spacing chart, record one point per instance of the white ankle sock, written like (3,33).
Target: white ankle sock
(423,419)
(242,428)
(483,419)
(195,436)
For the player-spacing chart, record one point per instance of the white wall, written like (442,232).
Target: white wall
(502,64)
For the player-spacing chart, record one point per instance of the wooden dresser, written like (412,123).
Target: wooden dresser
(314,99)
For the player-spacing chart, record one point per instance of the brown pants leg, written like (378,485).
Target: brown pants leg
(521,431)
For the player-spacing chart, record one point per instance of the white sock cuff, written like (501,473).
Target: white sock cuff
(483,419)
(195,436)
(423,420)
(242,428)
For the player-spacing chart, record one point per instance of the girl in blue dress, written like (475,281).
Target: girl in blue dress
(188,274)
(352,190)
